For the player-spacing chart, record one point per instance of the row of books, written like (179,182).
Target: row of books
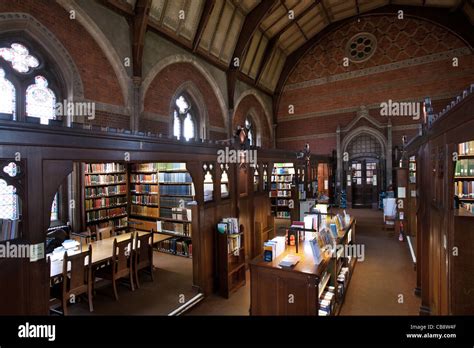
(178,228)
(234,243)
(145,199)
(276,193)
(119,223)
(468,206)
(281,186)
(464,189)
(282,202)
(105,191)
(144,167)
(282,178)
(283,214)
(175,177)
(105,202)
(342,281)
(283,171)
(466,148)
(327,301)
(103,214)
(173,201)
(144,178)
(177,246)
(171,166)
(104,168)
(233,225)
(97,179)
(9,229)
(144,188)
(182,190)
(144,210)
(464,167)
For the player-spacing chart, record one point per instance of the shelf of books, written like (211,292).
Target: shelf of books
(464,178)
(231,255)
(281,190)
(159,193)
(105,195)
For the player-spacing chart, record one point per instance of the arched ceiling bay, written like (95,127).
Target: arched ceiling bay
(263,34)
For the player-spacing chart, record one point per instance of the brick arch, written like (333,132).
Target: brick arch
(162,89)
(100,83)
(249,105)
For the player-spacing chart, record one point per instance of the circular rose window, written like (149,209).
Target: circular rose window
(361,47)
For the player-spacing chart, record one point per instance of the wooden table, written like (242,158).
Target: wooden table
(102,250)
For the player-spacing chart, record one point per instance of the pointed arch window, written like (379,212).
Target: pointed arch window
(40,100)
(184,123)
(7,96)
(27,87)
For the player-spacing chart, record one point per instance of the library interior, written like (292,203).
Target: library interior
(236,157)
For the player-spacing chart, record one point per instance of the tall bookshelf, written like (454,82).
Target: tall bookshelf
(105,195)
(231,256)
(157,191)
(281,190)
(464,177)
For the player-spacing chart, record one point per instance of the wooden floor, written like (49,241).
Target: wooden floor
(386,273)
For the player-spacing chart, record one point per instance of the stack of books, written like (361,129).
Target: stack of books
(327,301)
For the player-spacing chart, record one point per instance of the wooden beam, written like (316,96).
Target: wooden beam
(206,14)
(120,7)
(454,21)
(273,41)
(252,21)
(139,27)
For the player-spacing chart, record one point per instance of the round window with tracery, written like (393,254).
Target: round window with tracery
(361,47)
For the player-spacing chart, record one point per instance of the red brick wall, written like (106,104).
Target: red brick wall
(242,111)
(397,40)
(167,82)
(106,119)
(98,77)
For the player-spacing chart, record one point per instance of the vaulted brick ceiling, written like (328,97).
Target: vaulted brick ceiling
(213,27)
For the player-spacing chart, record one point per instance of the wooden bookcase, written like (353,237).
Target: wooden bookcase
(271,285)
(281,190)
(105,195)
(231,262)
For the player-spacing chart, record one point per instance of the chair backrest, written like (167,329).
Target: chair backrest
(79,271)
(121,254)
(144,248)
(389,207)
(105,232)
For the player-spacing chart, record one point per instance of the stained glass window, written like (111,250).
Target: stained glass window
(188,127)
(19,57)
(40,100)
(183,121)
(7,95)
(8,201)
(176,125)
(54,208)
(248,125)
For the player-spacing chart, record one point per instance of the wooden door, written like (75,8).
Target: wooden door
(364,174)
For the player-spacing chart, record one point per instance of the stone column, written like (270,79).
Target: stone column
(135,104)
(339,169)
(389,153)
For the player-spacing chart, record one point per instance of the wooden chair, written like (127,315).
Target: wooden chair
(143,255)
(105,232)
(77,281)
(121,265)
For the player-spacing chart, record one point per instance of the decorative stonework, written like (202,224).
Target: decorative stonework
(361,47)
(400,43)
